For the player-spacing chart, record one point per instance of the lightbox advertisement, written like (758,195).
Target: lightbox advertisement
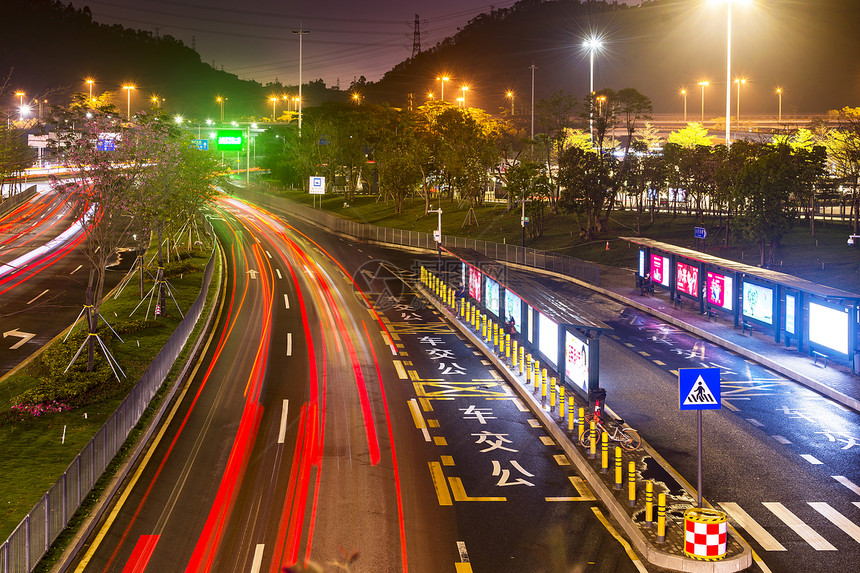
(687,279)
(828,327)
(548,339)
(758,302)
(660,270)
(491,292)
(576,361)
(719,290)
(475,283)
(514,309)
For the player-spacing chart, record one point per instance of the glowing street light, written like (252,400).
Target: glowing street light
(729,62)
(356,98)
(510,95)
(430,96)
(779,93)
(592,44)
(460,102)
(443,79)
(684,93)
(221,101)
(178,119)
(704,85)
(740,82)
(90,83)
(21,95)
(465,89)
(274,101)
(128,89)
(157,101)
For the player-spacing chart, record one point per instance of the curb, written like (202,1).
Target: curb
(640,542)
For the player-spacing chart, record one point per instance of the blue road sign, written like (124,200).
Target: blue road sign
(201,144)
(699,388)
(105,144)
(700,232)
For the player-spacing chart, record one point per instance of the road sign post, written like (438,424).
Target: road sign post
(699,389)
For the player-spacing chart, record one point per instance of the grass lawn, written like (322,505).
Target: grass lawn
(823,258)
(33,452)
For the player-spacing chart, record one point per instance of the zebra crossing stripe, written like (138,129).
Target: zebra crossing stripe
(798,526)
(847,483)
(751,526)
(837,519)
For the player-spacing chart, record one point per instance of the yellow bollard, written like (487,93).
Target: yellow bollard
(522,355)
(570,416)
(661,518)
(515,355)
(495,334)
(543,383)
(483,326)
(507,346)
(631,483)
(536,381)
(552,394)
(462,308)
(604,453)
(592,437)
(580,424)
(561,408)
(649,503)
(619,475)
(529,369)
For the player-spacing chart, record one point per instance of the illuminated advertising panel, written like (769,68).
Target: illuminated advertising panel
(828,327)
(491,295)
(514,309)
(475,283)
(641,262)
(531,326)
(790,313)
(464,274)
(758,302)
(660,270)
(719,290)
(230,139)
(576,361)
(687,279)
(548,339)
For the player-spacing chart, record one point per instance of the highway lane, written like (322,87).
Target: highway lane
(298,440)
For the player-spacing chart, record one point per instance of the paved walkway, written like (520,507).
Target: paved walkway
(835,380)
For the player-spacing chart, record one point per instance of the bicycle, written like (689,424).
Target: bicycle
(628,438)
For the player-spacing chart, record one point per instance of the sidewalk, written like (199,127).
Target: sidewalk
(668,553)
(836,381)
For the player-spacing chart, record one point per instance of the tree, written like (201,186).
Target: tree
(587,184)
(843,154)
(633,106)
(693,135)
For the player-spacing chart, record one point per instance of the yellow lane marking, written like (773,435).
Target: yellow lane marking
(561,460)
(659,363)
(580,487)
(432,423)
(447,460)
(401,371)
(675,372)
(628,344)
(460,492)
(643,353)
(414,375)
(425,404)
(630,553)
(440,441)
(534,423)
(442,493)
(547,441)
(462,568)
(730,406)
(418,419)
(520,406)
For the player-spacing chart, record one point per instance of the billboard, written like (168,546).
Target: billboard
(548,339)
(230,139)
(660,270)
(491,295)
(576,361)
(475,283)
(828,327)
(719,290)
(758,302)
(790,312)
(642,263)
(687,279)
(514,309)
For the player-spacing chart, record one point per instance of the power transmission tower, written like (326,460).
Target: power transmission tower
(416,37)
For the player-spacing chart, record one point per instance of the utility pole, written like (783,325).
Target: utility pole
(533,68)
(301,32)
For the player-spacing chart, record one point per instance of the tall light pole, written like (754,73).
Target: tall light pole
(442,80)
(90,83)
(729,65)
(221,101)
(438,234)
(511,96)
(465,89)
(274,101)
(21,95)
(740,82)
(591,44)
(704,85)
(301,32)
(128,89)
(684,93)
(779,93)
(533,68)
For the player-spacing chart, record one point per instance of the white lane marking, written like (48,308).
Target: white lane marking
(289,344)
(35,298)
(268,254)
(847,483)
(76,269)
(461,549)
(282,432)
(781,440)
(755,422)
(811,459)
(857,503)
(418,419)
(800,528)
(258,558)
(24,336)
(287,301)
(751,526)
(279,273)
(837,519)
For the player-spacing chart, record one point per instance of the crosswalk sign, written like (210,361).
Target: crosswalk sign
(699,388)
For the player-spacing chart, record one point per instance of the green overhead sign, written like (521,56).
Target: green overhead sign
(230,139)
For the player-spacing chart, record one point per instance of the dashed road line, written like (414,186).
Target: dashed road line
(799,527)
(767,541)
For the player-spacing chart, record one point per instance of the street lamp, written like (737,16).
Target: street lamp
(438,234)
(459,102)
(21,95)
(301,32)
(128,89)
(510,95)
(90,83)
(157,101)
(740,82)
(684,93)
(356,98)
(729,63)
(591,44)
(704,85)
(430,96)
(274,101)
(465,89)
(443,79)
(779,93)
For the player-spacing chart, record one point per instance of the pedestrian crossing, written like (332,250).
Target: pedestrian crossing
(789,526)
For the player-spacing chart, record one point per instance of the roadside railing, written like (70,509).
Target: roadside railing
(39,529)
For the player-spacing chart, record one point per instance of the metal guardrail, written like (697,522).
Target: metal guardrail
(39,529)
(562,264)
(17,199)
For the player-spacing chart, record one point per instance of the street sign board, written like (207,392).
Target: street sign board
(201,144)
(701,232)
(105,145)
(437,236)
(317,185)
(699,388)
(230,139)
